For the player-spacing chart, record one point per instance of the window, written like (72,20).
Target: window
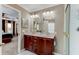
(9,28)
(51,27)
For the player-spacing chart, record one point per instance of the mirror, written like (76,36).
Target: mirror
(44,22)
(36,25)
(24,23)
(46,26)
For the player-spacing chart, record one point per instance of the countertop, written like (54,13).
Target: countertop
(41,35)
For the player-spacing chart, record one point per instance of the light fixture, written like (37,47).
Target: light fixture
(51,11)
(49,14)
(34,16)
(30,16)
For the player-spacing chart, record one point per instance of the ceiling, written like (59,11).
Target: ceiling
(35,7)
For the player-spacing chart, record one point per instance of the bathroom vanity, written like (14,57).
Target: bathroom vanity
(40,38)
(39,44)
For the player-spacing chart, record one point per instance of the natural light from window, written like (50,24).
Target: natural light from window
(9,28)
(51,27)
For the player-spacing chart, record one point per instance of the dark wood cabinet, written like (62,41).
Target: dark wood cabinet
(28,43)
(39,45)
(35,43)
(49,46)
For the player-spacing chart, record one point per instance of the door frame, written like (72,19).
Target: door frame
(0,30)
(67,28)
(19,24)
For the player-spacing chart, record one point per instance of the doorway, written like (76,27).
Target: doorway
(67,28)
(10,29)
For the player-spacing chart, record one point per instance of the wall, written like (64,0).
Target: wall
(74,25)
(59,20)
(59,27)
(60,47)
(24,15)
(0,29)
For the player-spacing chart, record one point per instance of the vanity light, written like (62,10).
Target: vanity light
(31,16)
(51,12)
(44,13)
(34,16)
(48,12)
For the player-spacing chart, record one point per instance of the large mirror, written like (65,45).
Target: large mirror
(44,24)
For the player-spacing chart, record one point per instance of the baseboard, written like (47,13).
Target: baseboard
(57,53)
(22,50)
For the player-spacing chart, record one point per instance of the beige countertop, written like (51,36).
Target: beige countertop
(41,35)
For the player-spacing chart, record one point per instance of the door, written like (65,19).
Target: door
(74,29)
(67,28)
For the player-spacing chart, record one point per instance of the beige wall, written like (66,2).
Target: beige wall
(24,15)
(60,47)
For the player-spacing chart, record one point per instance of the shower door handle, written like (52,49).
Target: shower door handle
(66,34)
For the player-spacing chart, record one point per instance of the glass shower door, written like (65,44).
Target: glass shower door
(67,28)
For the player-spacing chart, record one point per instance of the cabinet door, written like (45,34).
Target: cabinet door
(41,46)
(49,46)
(28,43)
(35,43)
(25,41)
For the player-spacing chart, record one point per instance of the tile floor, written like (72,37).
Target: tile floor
(26,52)
(10,48)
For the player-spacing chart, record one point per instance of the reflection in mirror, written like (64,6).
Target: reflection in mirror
(36,25)
(51,27)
